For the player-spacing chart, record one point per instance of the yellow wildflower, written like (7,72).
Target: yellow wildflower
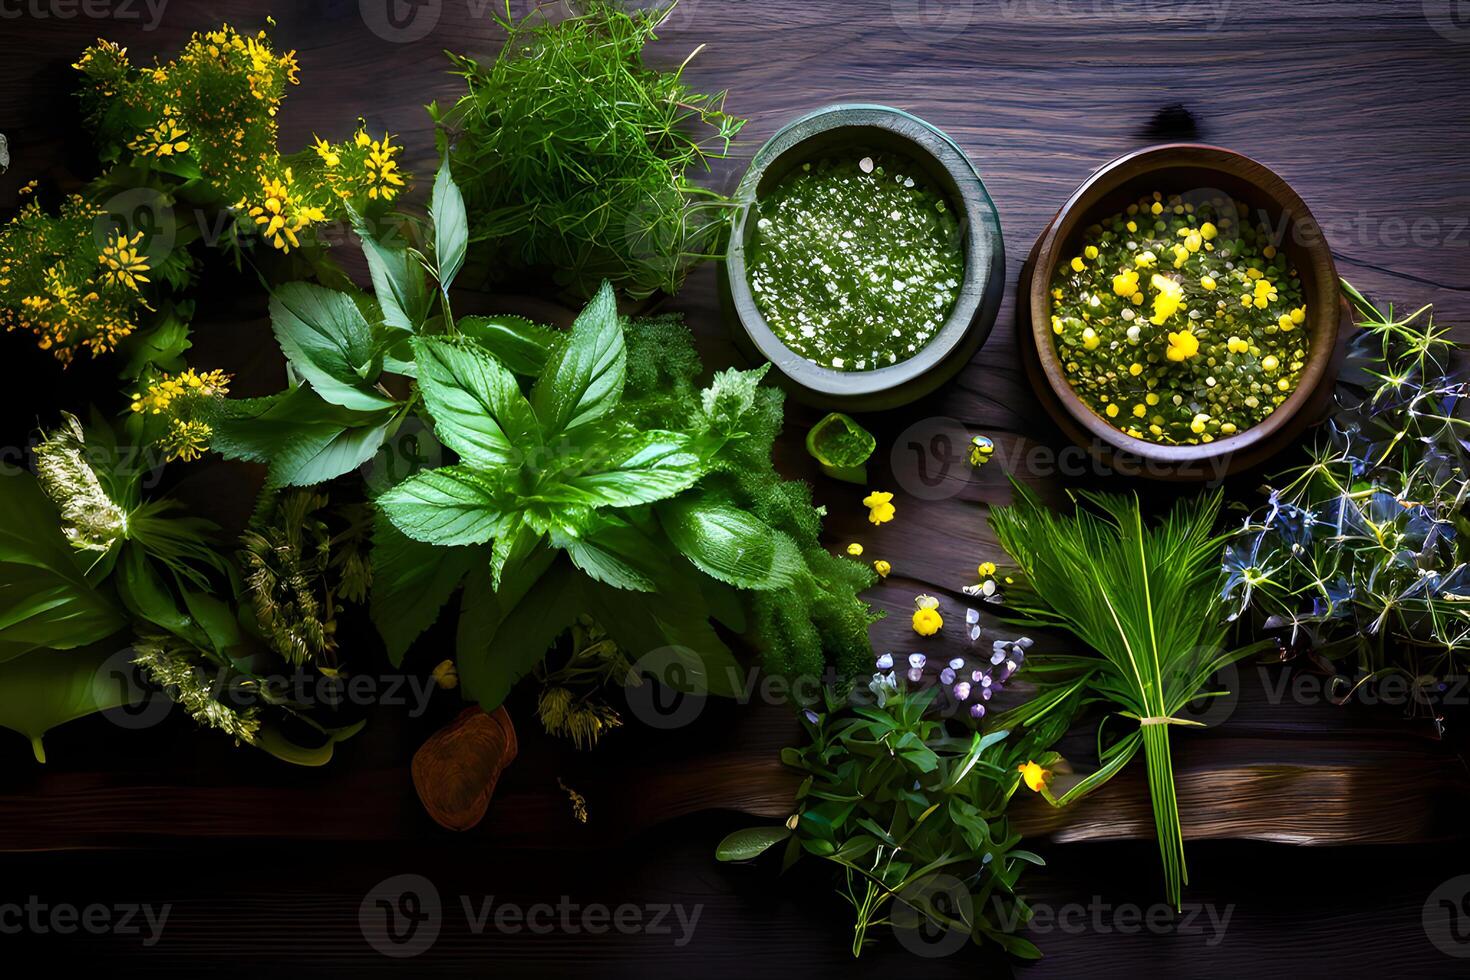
(882,568)
(1032,774)
(123,265)
(854,549)
(446,675)
(1167,300)
(880,506)
(927,620)
(1125,283)
(986,569)
(1182,346)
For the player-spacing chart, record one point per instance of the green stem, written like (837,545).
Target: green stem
(1166,809)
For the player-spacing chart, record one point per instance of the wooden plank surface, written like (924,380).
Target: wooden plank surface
(1361,106)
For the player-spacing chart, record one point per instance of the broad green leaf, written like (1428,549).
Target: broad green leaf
(162,344)
(672,620)
(504,635)
(399,282)
(620,556)
(451,226)
(517,343)
(147,596)
(304,439)
(636,468)
(327,340)
(731,545)
(51,687)
(411,583)
(45,598)
(583,379)
(476,404)
(452,505)
(742,845)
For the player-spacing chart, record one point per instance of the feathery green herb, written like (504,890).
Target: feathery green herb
(574,155)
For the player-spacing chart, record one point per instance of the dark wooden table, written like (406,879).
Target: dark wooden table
(1361,106)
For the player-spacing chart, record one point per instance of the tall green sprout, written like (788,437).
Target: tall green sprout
(1145,599)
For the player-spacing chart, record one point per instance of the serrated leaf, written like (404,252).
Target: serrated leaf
(583,380)
(411,583)
(731,545)
(476,403)
(399,282)
(327,340)
(628,469)
(743,845)
(452,505)
(618,555)
(519,344)
(451,226)
(303,438)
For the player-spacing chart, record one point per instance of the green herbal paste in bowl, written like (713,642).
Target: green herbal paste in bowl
(1180,324)
(855,262)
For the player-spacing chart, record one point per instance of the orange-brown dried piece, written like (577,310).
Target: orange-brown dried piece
(456,769)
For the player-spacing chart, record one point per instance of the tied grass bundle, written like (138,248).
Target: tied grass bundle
(1146,600)
(573,154)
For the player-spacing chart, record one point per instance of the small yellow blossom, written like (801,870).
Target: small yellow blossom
(854,549)
(1125,283)
(1167,300)
(927,620)
(880,506)
(986,569)
(1032,774)
(1182,346)
(446,675)
(882,568)
(1077,264)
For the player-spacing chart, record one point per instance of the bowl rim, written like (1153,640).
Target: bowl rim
(1323,318)
(970,320)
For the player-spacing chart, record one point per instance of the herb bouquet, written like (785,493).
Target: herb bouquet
(1145,599)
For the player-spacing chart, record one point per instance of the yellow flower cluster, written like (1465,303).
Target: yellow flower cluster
(179,398)
(58,284)
(214,107)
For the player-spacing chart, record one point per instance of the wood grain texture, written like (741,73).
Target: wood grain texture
(1361,106)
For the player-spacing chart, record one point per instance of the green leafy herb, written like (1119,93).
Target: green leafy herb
(574,155)
(1144,598)
(913,815)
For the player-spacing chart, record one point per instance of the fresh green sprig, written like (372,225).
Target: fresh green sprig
(575,156)
(1143,598)
(913,815)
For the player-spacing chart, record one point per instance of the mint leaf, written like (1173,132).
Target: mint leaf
(327,340)
(399,282)
(732,545)
(583,380)
(305,440)
(516,342)
(451,226)
(411,582)
(477,405)
(504,635)
(635,468)
(618,555)
(452,505)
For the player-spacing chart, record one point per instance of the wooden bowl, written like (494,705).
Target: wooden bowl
(1195,171)
(949,171)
